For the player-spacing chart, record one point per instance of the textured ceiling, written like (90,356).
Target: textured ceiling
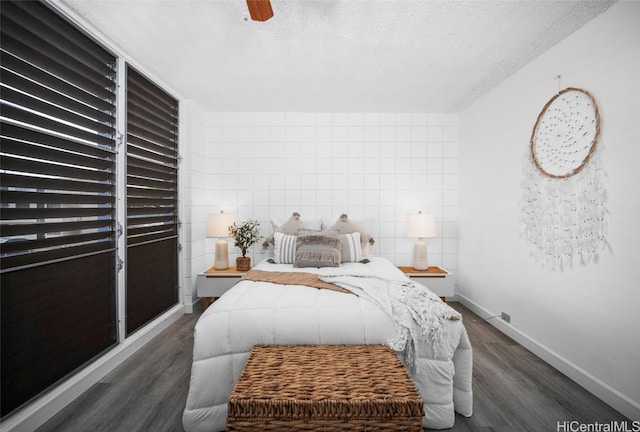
(335,55)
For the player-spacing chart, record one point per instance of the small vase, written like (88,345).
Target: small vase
(243,263)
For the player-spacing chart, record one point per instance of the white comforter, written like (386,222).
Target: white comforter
(254,313)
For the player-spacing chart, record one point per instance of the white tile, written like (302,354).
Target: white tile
(434,166)
(340,199)
(371,166)
(277,119)
(371,119)
(419,149)
(340,119)
(278,134)
(450,119)
(387,182)
(324,137)
(450,134)
(356,149)
(387,134)
(450,197)
(261,119)
(340,150)
(339,134)
(324,119)
(387,119)
(418,181)
(450,262)
(371,198)
(356,181)
(276,181)
(376,166)
(292,166)
(324,165)
(403,119)
(291,181)
(324,196)
(435,119)
(276,197)
(292,197)
(403,165)
(450,166)
(309,134)
(450,181)
(434,181)
(449,149)
(450,213)
(403,181)
(419,119)
(450,229)
(355,119)
(245,182)
(403,134)
(292,134)
(340,181)
(309,181)
(419,166)
(355,199)
(308,198)
(308,119)
(434,134)
(450,245)
(325,181)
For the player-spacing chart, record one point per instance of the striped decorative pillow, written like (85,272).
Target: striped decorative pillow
(350,247)
(284,248)
(321,249)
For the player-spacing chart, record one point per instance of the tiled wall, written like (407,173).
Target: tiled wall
(376,167)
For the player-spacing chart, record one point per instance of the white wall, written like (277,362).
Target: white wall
(192,139)
(374,167)
(583,319)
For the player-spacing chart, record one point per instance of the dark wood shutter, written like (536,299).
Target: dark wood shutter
(57,174)
(152,201)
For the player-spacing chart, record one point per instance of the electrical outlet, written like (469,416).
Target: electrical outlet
(506,317)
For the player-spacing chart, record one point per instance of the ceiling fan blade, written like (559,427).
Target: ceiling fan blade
(260,10)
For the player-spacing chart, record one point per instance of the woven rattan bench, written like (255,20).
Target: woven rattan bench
(324,388)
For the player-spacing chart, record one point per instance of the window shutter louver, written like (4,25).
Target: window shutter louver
(57,189)
(152,201)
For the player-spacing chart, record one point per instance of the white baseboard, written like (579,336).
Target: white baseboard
(190,303)
(605,392)
(38,412)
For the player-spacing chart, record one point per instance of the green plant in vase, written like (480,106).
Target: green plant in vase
(244,235)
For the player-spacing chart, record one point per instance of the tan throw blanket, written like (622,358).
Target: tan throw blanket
(292,278)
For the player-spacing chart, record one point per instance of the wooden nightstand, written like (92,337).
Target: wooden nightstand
(437,279)
(214,283)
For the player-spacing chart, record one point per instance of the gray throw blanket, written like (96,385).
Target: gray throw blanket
(418,314)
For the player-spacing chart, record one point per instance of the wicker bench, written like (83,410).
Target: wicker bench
(324,388)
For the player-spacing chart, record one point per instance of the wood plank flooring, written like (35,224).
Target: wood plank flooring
(513,389)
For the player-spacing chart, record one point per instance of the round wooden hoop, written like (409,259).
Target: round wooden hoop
(594,143)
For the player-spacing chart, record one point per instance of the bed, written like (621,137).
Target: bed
(258,312)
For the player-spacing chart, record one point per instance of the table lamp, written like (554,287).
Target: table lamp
(218,226)
(420,225)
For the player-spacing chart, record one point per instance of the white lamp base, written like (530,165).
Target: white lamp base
(420,255)
(221,261)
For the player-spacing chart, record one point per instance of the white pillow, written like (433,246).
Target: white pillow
(284,248)
(350,247)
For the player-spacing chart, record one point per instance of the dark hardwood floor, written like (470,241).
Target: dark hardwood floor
(513,389)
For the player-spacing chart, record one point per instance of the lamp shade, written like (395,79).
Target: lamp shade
(420,225)
(218,224)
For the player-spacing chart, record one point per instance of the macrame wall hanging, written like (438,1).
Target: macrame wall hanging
(564,206)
